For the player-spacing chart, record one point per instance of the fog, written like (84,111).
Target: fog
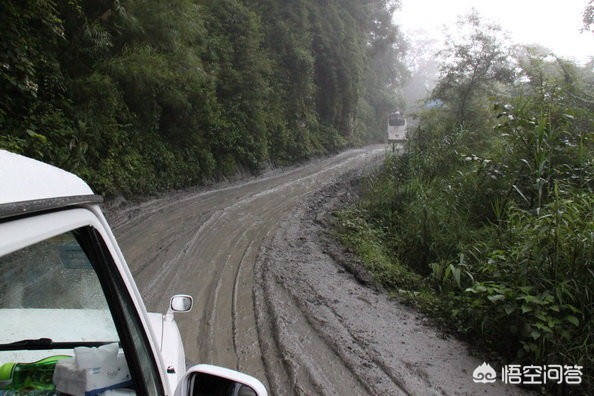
(552,24)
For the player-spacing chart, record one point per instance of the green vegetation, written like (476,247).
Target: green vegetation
(487,221)
(144,95)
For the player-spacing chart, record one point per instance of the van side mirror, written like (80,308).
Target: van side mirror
(179,303)
(209,380)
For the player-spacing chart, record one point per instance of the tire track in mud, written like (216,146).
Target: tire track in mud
(312,366)
(238,285)
(222,310)
(320,362)
(166,272)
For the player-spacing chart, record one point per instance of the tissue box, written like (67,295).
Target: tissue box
(72,380)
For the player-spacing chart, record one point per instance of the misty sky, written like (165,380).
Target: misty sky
(554,24)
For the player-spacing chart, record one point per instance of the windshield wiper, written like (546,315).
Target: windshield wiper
(48,343)
(24,344)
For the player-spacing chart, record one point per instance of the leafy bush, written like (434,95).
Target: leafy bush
(533,280)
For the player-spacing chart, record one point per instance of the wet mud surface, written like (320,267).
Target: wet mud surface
(278,298)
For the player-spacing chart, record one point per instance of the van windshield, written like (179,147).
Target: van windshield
(50,292)
(396,120)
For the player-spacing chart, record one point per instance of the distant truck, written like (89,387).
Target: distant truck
(71,317)
(397,133)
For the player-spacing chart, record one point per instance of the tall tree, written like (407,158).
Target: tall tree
(473,66)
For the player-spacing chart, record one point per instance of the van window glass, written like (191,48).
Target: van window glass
(60,294)
(50,290)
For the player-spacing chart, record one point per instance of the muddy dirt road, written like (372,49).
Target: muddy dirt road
(269,298)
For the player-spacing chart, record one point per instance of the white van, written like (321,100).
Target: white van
(397,129)
(71,318)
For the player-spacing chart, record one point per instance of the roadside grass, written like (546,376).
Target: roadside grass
(397,279)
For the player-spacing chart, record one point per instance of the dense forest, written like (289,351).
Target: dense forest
(140,96)
(486,221)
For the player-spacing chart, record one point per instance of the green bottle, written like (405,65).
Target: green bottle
(29,376)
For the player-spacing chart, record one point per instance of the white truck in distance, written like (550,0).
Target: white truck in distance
(66,293)
(397,129)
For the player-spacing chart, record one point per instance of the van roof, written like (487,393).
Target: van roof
(24,179)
